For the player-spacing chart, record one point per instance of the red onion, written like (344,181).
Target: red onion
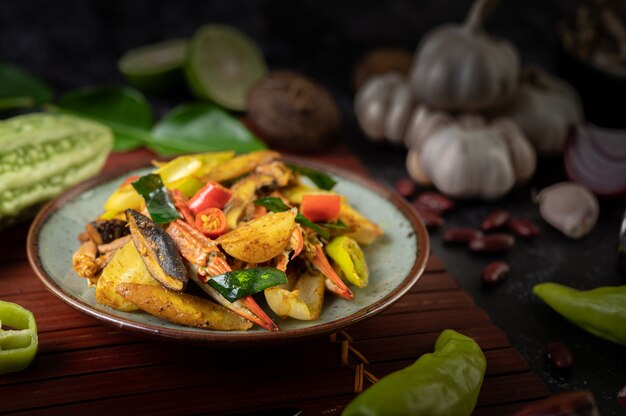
(596,157)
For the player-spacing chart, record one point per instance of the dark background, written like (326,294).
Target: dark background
(73,44)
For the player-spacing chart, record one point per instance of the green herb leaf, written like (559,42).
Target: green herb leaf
(338,225)
(123,109)
(239,283)
(321,179)
(158,202)
(272,204)
(19,89)
(275,204)
(201,127)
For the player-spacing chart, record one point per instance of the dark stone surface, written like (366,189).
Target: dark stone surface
(76,43)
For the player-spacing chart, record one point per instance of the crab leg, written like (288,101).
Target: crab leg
(316,256)
(208,261)
(246,306)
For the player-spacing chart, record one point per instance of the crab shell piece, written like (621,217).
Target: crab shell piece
(158,251)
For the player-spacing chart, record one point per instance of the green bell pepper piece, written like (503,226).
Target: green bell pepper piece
(445,382)
(18,346)
(601,311)
(347,254)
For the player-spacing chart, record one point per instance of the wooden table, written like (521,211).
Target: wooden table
(84,367)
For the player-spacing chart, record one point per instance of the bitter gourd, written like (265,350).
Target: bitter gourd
(43,154)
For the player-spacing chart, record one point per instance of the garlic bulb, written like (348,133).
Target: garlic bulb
(386,109)
(472,159)
(461,68)
(546,109)
(569,207)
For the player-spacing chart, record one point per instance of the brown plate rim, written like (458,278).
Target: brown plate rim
(182,335)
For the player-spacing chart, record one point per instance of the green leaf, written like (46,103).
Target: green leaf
(275,204)
(123,109)
(239,283)
(201,127)
(19,89)
(338,225)
(321,179)
(158,202)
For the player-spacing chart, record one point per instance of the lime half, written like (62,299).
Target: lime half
(156,67)
(223,64)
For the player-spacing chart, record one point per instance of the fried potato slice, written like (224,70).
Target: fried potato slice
(261,239)
(181,308)
(126,266)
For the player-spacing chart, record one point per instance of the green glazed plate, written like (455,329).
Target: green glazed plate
(396,260)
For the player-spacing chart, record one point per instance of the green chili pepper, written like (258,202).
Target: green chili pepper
(347,254)
(445,382)
(18,345)
(600,311)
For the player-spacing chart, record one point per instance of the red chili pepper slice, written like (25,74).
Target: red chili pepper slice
(321,207)
(212,195)
(212,222)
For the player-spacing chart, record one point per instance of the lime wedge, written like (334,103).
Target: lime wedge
(156,67)
(223,64)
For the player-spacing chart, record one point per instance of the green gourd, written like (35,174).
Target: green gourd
(43,154)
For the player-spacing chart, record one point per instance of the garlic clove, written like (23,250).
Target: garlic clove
(569,207)
(414,167)
(401,104)
(372,101)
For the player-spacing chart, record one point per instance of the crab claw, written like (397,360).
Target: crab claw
(296,242)
(333,281)
(246,306)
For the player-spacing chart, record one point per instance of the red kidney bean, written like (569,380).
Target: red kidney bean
(431,218)
(621,396)
(559,355)
(495,272)
(495,220)
(493,243)
(460,235)
(523,227)
(405,187)
(435,201)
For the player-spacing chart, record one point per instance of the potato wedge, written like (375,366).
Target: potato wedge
(126,266)
(241,165)
(302,298)
(181,308)
(260,240)
(364,231)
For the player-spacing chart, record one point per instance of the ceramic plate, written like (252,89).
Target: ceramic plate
(396,260)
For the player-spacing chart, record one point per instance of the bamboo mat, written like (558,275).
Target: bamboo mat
(84,367)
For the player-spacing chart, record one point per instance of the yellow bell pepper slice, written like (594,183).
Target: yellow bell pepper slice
(188,186)
(348,256)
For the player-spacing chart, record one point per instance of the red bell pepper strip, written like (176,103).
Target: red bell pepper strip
(212,195)
(321,207)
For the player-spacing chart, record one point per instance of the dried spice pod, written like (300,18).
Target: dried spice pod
(495,220)
(495,272)
(523,227)
(293,112)
(493,243)
(460,235)
(380,61)
(559,355)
